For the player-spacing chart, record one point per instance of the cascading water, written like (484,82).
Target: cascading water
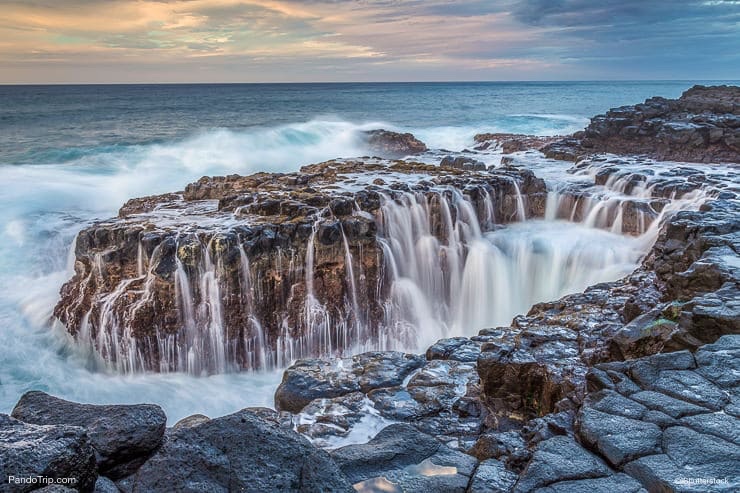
(449,267)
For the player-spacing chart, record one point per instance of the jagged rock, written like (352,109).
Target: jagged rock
(462,163)
(456,348)
(307,380)
(238,452)
(235,251)
(507,446)
(517,384)
(407,458)
(123,436)
(105,485)
(394,144)
(697,127)
(509,143)
(54,452)
(491,476)
(190,421)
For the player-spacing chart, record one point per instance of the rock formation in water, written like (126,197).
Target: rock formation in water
(393,144)
(253,272)
(703,125)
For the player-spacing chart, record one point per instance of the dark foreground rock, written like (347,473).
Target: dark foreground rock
(509,143)
(123,436)
(238,452)
(32,453)
(703,125)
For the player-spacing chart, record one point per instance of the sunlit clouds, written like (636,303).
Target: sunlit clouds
(325,40)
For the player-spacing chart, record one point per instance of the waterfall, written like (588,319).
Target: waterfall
(447,266)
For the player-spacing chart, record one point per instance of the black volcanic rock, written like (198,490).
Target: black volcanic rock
(238,452)
(253,234)
(313,379)
(54,452)
(123,436)
(703,125)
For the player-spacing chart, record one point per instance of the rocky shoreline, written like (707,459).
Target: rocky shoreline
(631,385)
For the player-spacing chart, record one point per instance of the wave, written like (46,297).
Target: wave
(44,205)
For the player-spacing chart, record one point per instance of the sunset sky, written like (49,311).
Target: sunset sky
(57,41)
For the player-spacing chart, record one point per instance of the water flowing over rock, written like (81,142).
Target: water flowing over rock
(254,272)
(703,125)
(579,332)
(238,452)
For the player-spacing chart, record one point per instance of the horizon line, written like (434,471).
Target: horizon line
(360,82)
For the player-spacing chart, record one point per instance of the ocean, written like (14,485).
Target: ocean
(72,154)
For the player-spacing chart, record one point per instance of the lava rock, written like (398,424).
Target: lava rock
(617,438)
(491,476)
(311,379)
(394,144)
(54,452)
(238,452)
(407,458)
(123,436)
(560,459)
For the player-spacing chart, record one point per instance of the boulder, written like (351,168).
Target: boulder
(312,379)
(123,436)
(560,459)
(491,476)
(238,452)
(30,454)
(405,457)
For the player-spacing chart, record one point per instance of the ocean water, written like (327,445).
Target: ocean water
(71,154)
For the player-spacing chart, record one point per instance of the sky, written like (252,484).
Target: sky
(120,41)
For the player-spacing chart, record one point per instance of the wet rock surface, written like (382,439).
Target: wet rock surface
(407,460)
(624,387)
(266,260)
(628,386)
(703,125)
(509,143)
(394,144)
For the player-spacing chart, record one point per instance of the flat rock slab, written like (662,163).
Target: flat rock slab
(123,436)
(403,458)
(618,483)
(617,438)
(560,459)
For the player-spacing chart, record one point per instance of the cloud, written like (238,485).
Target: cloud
(234,40)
